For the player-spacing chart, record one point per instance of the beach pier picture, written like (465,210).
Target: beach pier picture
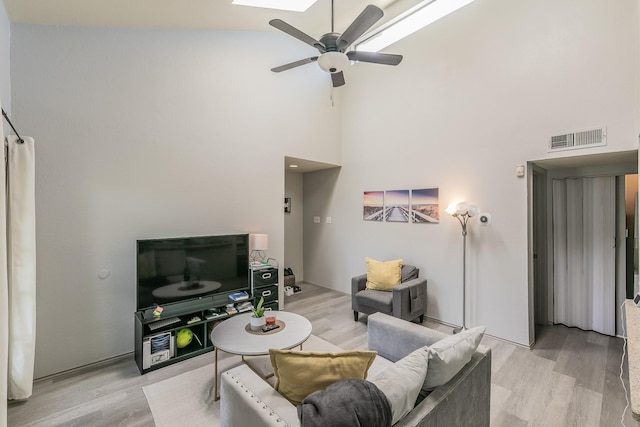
(424,206)
(373,206)
(397,206)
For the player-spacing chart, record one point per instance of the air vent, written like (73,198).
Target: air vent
(581,139)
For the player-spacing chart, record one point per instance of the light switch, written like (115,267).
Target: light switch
(316,220)
(328,220)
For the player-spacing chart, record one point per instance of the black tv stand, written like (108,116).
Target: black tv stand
(199,315)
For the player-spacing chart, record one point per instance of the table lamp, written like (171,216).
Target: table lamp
(258,244)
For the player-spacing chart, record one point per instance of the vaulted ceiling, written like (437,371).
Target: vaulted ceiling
(192,14)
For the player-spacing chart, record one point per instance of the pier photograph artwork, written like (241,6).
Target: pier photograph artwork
(424,206)
(373,206)
(396,206)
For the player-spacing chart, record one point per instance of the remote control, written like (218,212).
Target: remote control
(270,328)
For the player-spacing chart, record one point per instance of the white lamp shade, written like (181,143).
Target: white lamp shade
(258,242)
(451,209)
(333,62)
(462,208)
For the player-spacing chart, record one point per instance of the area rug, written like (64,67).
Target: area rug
(187,399)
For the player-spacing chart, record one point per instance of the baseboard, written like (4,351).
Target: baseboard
(450,325)
(442,322)
(433,319)
(89,367)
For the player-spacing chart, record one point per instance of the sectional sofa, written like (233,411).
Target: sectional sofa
(247,399)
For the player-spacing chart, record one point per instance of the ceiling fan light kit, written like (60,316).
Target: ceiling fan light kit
(333,62)
(332,46)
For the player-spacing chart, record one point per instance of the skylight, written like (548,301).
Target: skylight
(418,17)
(291,5)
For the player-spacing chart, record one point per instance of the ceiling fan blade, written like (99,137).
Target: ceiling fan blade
(337,79)
(294,32)
(375,57)
(294,64)
(369,16)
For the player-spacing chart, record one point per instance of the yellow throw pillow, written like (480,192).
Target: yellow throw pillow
(300,373)
(383,275)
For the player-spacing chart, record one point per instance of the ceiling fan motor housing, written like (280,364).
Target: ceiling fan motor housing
(329,41)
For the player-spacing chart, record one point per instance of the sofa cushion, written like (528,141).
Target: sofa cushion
(380,301)
(346,403)
(402,382)
(449,355)
(383,275)
(300,373)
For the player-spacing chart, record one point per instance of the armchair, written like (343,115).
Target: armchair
(407,301)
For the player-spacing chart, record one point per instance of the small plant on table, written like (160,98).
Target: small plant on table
(258,311)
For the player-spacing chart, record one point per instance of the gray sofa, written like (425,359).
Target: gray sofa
(406,301)
(247,399)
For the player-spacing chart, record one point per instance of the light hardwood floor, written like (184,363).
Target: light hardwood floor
(569,378)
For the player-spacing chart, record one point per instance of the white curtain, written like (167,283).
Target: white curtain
(17,272)
(4,304)
(584,253)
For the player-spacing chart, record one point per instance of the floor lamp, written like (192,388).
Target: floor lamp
(463,211)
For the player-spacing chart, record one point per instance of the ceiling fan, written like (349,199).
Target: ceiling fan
(332,46)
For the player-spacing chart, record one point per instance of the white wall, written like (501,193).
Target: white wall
(144,133)
(293,230)
(477,93)
(149,133)
(5,62)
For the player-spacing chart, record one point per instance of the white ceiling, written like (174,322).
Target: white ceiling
(193,14)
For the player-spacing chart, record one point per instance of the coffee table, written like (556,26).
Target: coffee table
(232,336)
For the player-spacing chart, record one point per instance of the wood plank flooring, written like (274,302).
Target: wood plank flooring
(570,377)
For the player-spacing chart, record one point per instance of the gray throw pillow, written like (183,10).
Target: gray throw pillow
(408,272)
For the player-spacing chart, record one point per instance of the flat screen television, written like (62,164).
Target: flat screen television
(179,269)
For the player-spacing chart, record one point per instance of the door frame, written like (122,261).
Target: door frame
(616,163)
(543,299)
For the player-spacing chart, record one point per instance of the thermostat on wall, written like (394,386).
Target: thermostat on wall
(484,218)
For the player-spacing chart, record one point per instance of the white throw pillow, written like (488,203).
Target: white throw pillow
(402,382)
(449,355)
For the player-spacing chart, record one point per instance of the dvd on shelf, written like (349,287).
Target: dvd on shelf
(239,296)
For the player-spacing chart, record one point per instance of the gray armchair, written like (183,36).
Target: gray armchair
(406,301)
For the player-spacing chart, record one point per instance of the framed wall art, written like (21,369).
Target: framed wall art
(425,208)
(396,208)
(373,206)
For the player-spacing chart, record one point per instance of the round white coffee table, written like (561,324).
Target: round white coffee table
(232,336)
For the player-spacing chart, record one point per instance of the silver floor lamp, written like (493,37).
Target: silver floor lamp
(463,211)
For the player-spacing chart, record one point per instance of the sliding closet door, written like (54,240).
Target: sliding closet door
(584,253)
